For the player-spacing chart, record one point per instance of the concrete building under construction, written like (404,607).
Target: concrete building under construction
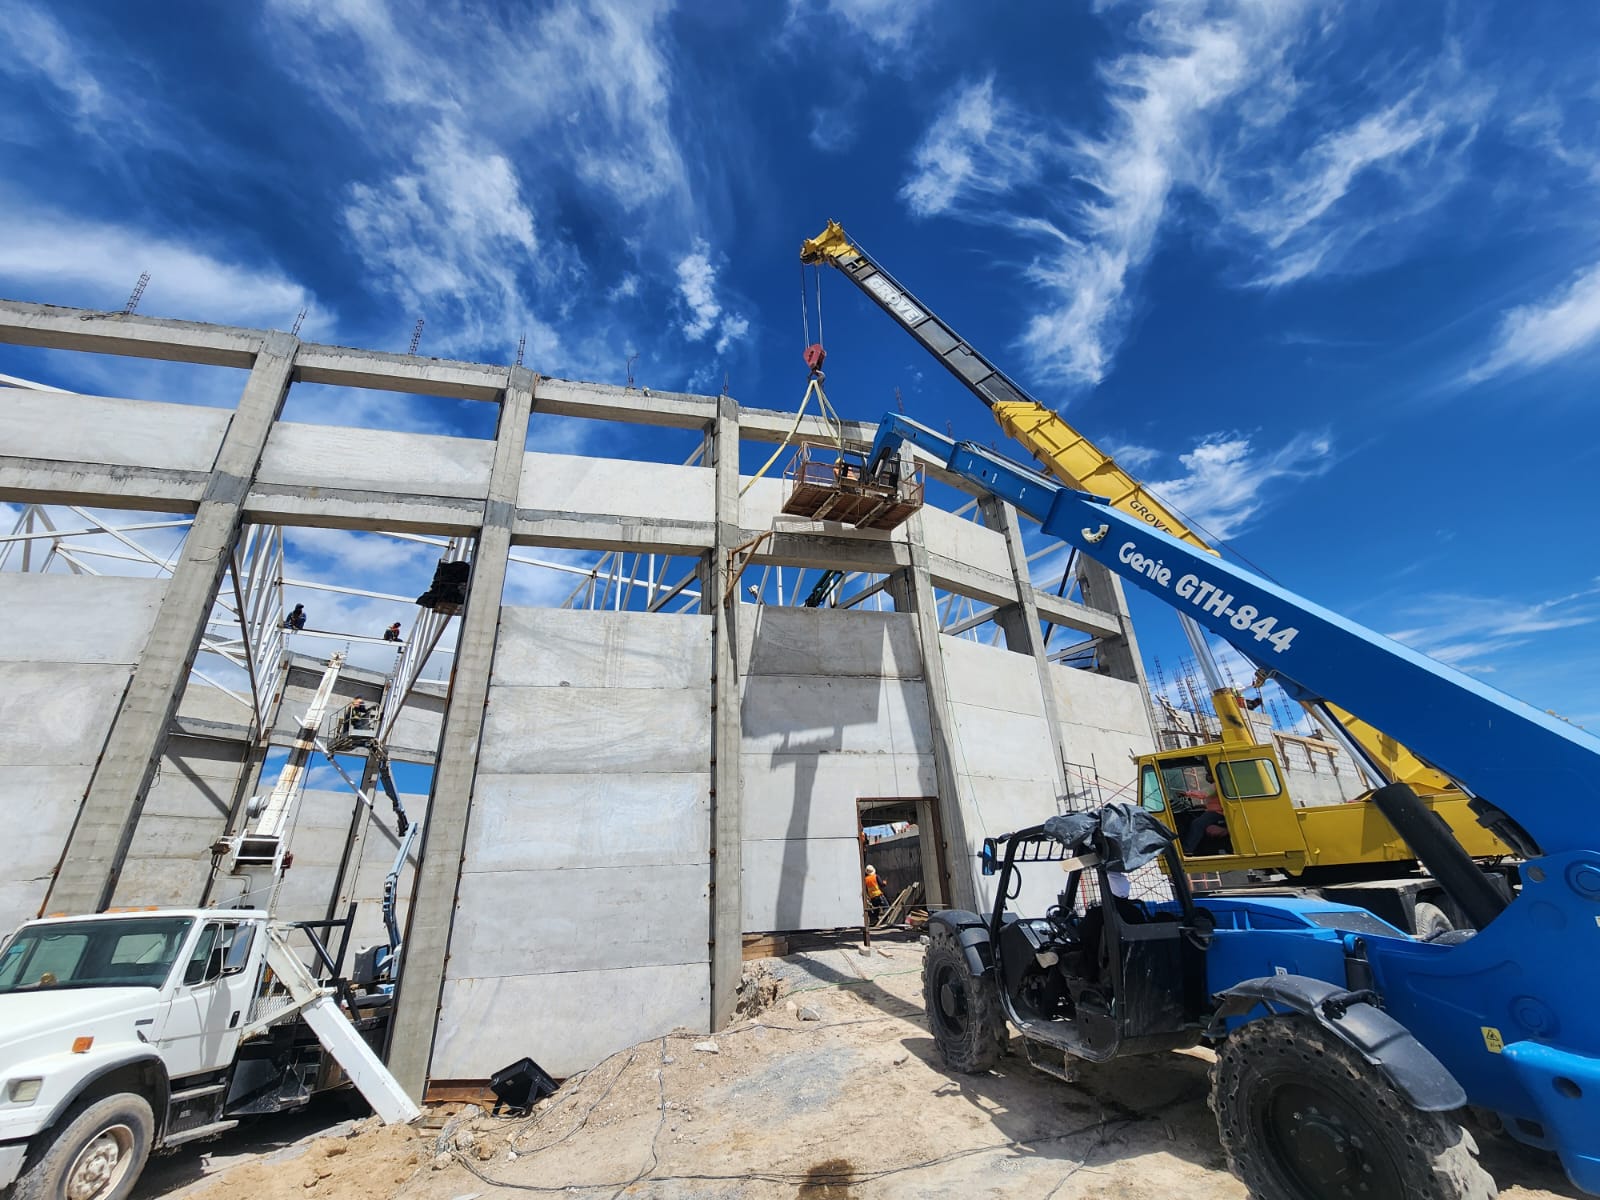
(622,786)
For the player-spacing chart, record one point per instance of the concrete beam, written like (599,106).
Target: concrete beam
(825,551)
(576,531)
(151,489)
(55,328)
(87,877)
(335,508)
(639,406)
(727,812)
(342,366)
(433,903)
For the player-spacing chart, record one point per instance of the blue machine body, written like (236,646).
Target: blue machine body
(1511,1011)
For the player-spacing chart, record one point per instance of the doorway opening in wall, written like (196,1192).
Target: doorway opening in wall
(901,840)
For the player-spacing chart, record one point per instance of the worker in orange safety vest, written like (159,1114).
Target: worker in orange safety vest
(876,904)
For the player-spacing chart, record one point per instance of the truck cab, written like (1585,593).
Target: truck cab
(118,1035)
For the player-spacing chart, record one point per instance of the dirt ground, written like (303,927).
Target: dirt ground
(834,1092)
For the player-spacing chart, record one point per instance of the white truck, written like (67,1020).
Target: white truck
(129,1032)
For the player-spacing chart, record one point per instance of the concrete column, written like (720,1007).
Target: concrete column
(110,810)
(1021,624)
(913,592)
(427,940)
(727,814)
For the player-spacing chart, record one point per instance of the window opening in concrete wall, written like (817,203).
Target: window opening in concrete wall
(603,580)
(399,412)
(968,617)
(900,839)
(32,368)
(636,441)
(785,585)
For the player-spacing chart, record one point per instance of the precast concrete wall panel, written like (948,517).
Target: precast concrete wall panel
(376,460)
(1104,723)
(67,648)
(97,429)
(317,836)
(566,1021)
(1003,752)
(831,642)
(834,710)
(185,811)
(566,483)
(966,541)
(586,870)
(378,850)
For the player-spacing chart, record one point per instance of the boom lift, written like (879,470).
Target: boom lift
(1343,846)
(1501,1019)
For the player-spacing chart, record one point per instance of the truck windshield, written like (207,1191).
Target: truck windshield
(131,952)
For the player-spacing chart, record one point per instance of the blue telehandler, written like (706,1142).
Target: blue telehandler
(1348,1052)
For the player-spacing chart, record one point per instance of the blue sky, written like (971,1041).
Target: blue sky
(1328,275)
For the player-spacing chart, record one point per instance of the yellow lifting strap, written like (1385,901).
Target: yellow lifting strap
(829,417)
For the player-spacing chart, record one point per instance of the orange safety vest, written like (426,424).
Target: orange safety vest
(872,886)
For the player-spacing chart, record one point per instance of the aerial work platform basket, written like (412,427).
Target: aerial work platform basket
(825,483)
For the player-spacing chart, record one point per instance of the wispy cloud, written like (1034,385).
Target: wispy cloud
(96,264)
(1203,105)
(1532,335)
(979,146)
(1226,478)
(451,231)
(37,46)
(704,310)
(1464,630)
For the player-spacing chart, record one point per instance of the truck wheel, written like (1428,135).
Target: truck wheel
(1303,1117)
(95,1152)
(1430,921)
(964,1013)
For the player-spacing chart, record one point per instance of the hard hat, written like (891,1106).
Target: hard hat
(870,871)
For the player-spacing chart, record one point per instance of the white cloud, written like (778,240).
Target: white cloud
(704,312)
(452,232)
(1226,480)
(96,264)
(1532,335)
(1129,455)
(38,45)
(1204,103)
(979,146)
(1462,630)
(1190,67)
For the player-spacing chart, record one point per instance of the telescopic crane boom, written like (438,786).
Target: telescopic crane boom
(1076,461)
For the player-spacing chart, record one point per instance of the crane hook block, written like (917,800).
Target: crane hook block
(814,356)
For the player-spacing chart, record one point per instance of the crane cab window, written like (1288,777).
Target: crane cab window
(1150,791)
(1250,779)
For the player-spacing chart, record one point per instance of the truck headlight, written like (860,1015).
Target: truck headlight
(24,1091)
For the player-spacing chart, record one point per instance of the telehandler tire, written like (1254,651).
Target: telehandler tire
(1303,1117)
(964,1013)
(95,1152)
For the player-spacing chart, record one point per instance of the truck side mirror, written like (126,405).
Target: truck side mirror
(214,965)
(986,858)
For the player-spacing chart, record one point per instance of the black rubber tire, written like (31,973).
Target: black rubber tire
(1431,921)
(124,1118)
(1303,1117)
(964,1014)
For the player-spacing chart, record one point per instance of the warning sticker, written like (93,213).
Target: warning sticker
(1492,1040)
